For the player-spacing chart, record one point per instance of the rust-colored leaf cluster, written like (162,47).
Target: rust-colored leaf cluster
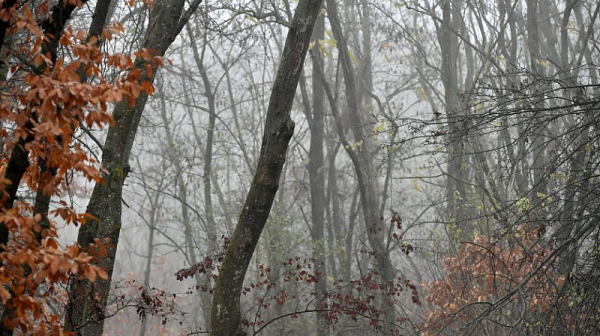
(492,280)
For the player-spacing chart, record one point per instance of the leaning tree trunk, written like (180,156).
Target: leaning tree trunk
(86,309)
(279,128)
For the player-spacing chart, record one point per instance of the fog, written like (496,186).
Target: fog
(355,167)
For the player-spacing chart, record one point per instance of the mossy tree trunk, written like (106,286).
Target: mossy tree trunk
(279,128)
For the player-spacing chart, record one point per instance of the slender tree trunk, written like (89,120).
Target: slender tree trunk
(334,216)
(147,272)
(211,233)
(273,247)
(182,192)
(579,175)
(316,172)
(348,240)
(537,138)
(361,158)
(455,188)
(366,71)
(208,153)
(279,128)
(155,205)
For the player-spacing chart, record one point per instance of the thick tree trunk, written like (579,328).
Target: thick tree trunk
(86,309)
(279,128)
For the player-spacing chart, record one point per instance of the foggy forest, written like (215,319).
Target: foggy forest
(306,167)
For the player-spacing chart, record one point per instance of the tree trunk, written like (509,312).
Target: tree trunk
(278,130)
(361,157)
(208,153)
(334,217)
(182,191)
(155,204)
(316,173)
(537,138)
(86,309)
(455,189)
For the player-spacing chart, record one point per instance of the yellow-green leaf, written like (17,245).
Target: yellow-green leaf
(423,95)
(353,58)
(542,63)
(417,185)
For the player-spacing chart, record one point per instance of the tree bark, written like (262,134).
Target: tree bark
(278,130)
